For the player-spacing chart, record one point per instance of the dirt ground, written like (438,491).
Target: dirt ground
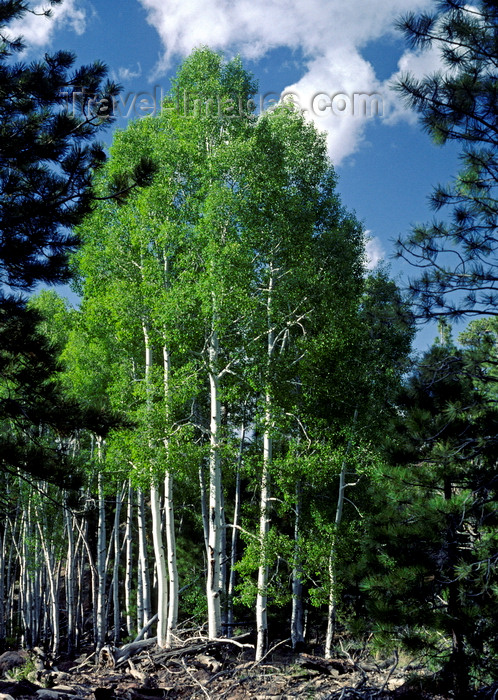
(220,670)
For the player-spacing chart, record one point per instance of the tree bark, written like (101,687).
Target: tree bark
(129,559)
(143,587)
(235,535)
(169,512)
(101,566)
(332,611)
(70,579)
(160,557)
(264,508)
(115,573)
(214,536)
(172,567)
(297,619)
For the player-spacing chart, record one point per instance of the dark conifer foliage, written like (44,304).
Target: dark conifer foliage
(50,115)
(457,254)
(48,124)
(431,549)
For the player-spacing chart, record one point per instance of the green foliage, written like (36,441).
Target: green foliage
(276,552)
(24,672)
(240,235)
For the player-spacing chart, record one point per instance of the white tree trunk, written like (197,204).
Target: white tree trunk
(79,585)
(143,587)
(160,557)
(129,559)
(169,511)
(172,567)
(52,575)
(264,528)
(24,588)
(214,518)
(235,537)
(14,554)
(332,606)
(115,572)
(3,553)
(297,619)
(70,579)
(101,567)
(222,586)
(204,507)
(264,508)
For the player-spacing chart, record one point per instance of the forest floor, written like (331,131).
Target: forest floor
(202,670)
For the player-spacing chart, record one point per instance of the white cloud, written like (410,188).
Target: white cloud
(336,91)
(330,34)
(374,250)
(123,75)
(418,64)
(38,30)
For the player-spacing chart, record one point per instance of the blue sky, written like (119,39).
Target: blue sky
(322,51)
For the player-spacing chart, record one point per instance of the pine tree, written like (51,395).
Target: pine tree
(431,552)
(50,116)
(457,254)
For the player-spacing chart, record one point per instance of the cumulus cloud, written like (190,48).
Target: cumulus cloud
(124,75)
(330,35)
(38,30)
(255,26)
(374,251)
(418,64)
(339,91)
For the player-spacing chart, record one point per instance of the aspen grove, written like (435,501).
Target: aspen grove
(248,373)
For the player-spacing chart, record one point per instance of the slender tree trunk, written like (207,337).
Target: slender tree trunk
(3,553)
(331,617)
(25,589)
(172,567)
(157,537)
(52,576)
(297,619)
(264,508)
(223,567)
(143,587)
(14,552)
(264,528)
(101,566)
(332,611)
(204,505)
(83,534)
(79,582)
(169,502)
(36,605)
(235,536)
(70,582)
(129,560)
(160,557)
(115,572)
(214,537)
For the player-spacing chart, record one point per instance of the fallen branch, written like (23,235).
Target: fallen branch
(145,629)
(83,663)
(232,640)
(195,680)
(270,651)
(123,654)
